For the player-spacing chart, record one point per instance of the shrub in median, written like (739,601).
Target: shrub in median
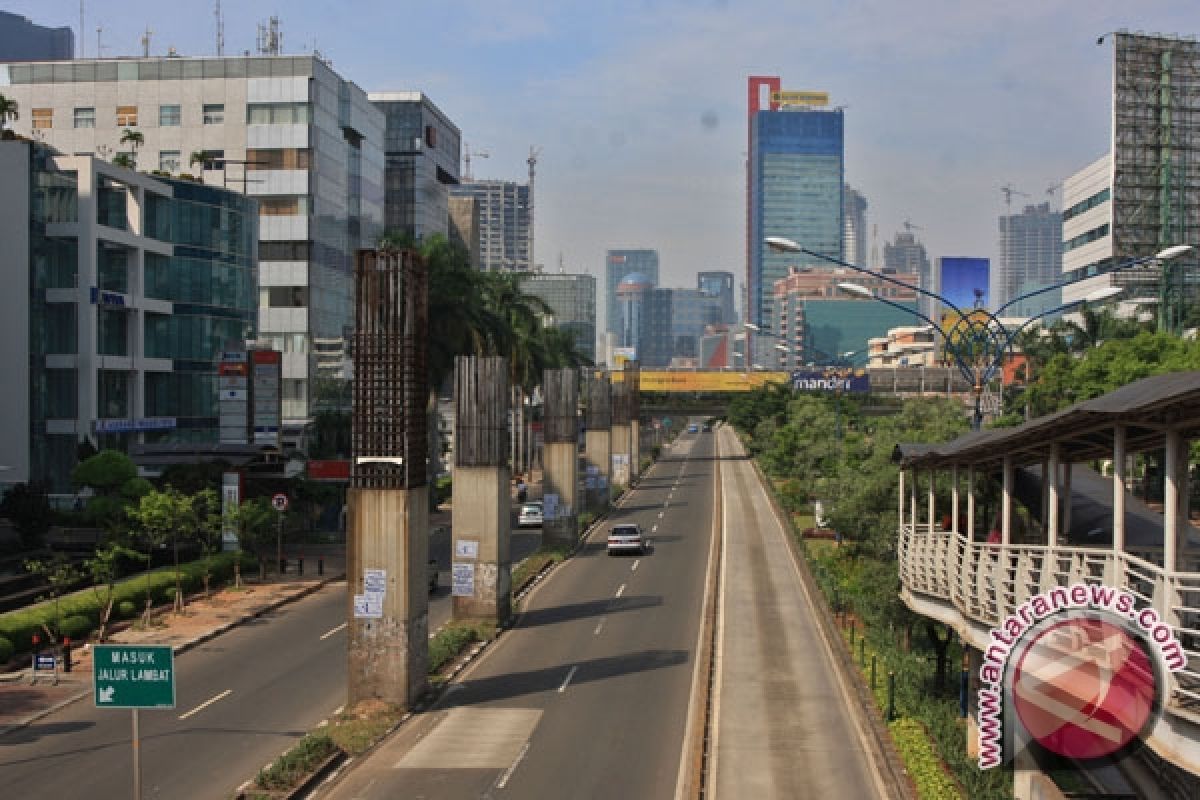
(921,759)
(293,765)
(77,626)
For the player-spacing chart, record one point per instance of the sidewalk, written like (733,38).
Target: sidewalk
(23,702)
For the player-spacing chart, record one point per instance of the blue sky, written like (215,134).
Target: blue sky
(638,106)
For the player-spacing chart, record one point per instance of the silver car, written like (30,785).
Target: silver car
(626,538)
(530,515)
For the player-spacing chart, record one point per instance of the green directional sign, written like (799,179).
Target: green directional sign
(133,676)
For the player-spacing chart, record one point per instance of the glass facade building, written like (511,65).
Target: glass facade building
(503,223)
(572,301)
(132,287)
(617,265)
(795,190)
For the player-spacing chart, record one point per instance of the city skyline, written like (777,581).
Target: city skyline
(643,145)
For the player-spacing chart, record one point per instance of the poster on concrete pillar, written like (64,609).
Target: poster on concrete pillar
(549,507)
(463,581)
(368,606)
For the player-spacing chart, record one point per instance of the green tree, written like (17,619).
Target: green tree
(162,517)
(28,508)
(60,576)
(208,523)
(255,523)
(112,476)
(104,567)
(202,157)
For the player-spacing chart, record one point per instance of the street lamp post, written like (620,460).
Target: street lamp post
(977,340)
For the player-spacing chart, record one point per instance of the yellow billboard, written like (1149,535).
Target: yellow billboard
(704,381)
(800,98)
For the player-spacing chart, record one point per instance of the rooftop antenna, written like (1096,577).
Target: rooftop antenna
(146,42)
(81,28)
(99,46)
(270,38)
(220,30)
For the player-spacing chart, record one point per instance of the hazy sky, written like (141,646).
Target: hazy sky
(639,106)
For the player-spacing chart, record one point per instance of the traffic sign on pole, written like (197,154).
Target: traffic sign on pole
(279,501)
(133,676)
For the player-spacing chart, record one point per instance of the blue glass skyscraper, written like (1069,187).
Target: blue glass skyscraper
(795,183)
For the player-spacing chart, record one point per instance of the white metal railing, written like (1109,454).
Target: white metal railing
(986,583)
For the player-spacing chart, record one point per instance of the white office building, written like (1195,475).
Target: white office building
(287,130)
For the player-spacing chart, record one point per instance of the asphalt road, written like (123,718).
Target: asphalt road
(784,727)
(266,684)
(588,696)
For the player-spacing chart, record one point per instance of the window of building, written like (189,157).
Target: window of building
(85,118)
(285,158)
(42,117)
(278,113)
(287,296)
(283,251)
(169,116)
(127,116)
(168,160)
(214,113)
(283,205)
(430,136)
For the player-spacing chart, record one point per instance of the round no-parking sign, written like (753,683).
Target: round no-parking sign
(279,501)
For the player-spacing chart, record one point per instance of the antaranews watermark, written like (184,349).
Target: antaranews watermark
(1088,675)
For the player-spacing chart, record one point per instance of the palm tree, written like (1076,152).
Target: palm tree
(8,112)
(201,157)
(124,160)
(134,139)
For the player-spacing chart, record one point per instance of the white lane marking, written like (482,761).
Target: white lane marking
(635,563)
(620,590)
(207,703)
(654,529)
(660,515)
(567,680)
(599,626)
(329,633)
(508,773)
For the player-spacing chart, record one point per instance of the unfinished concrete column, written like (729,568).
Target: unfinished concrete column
(560,527)
(482,565)
(633,377)
(620,432)
(388,501)
(597,451)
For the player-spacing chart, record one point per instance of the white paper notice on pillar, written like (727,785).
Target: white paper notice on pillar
(463,579)
(466,548)
(375,581)
(549,507)
(368,606)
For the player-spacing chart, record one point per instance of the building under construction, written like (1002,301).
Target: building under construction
(1145,195)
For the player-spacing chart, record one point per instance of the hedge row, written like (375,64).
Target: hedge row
(80,611)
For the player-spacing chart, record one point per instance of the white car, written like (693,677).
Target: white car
(530,515)
(625,538)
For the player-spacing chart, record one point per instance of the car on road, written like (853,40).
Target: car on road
(708,427)
(530,515)
(693,428)
(626,537)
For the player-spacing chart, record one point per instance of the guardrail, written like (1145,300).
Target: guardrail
(986,583)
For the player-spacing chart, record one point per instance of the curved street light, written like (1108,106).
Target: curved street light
(977,340)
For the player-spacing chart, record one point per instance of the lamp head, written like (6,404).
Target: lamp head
(781,244)
(856,289)
(1173,252)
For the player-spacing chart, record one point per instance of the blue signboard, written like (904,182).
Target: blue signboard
(829,380)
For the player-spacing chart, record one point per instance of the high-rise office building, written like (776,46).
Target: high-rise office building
(287,130)
(907,254)
(718,287)
(572,302)
(23,40)
(123,290)
(632,296)
(503,223)
(464,225)
(421,150)
(1030,254)
(618,264)
(856,228)
(795,181)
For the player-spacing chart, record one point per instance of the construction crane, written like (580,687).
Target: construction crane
(532,162)
(1009,190)
(467,153)
(910,227)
